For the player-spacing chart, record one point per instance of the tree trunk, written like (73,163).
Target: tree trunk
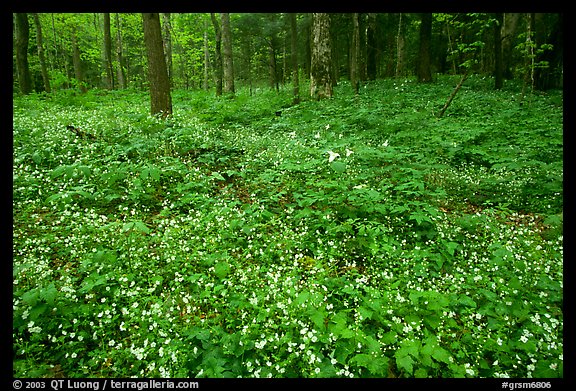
(206,58)
(41,57)
(22,35)
(294,57)
(401,48)
(509,28)
(498,64)
(108,53)
(218,57)
(167,42)
(371,47)
(227,63)
(121,66)
(160,98)
(320,79)
(77,62)
(355,54)
(423,71)
(551,76)
(272,64)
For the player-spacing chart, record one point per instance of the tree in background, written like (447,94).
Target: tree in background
(108,53)
(77,62)
(320,79)
(294,57)
(22,35)
(218,54)
(355,54)
(167,42)
(160,98)
(41,56)
(498,64)
(227,59)
(423,69)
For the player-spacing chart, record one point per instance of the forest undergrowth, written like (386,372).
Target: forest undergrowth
(253,237)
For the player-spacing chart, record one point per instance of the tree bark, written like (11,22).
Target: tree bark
(77,62)
(294,57)
(401,47)
(167,42)
(108,53)
(41,56)
(22,36)
(355,54)
(227,60)
(119,55)
(423,71)
(371,47)
(218,57)
(320,79)
(160,98)
(206,58)
(509,28)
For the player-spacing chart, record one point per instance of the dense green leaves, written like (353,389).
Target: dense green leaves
(223,242)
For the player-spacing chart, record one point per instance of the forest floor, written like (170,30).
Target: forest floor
(350,237)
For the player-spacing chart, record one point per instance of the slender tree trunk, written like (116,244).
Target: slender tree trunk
(227,63)
(355,54)
(320,79)
(272,64)
(160,98)
(121,66)
(401,47)
(218,57)
(167,42)
(423,71)
(108,52)
(206,58)
(78,71)
(41,57)
(22,36)
(294,56)
(498,64)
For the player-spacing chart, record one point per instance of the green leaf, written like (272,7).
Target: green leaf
(49,293)
(441,354)
(142,227)
(405,363)
(338,166)
(221,269)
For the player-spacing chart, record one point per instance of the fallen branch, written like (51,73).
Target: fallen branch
(453,94)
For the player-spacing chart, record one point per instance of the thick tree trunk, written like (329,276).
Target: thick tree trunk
(160,98)
(423,71)
(41,57)
(108,53)
(22,35)
(509,29)
(218,55)
(320,79)
(371,47)
(227,63)
(77,62)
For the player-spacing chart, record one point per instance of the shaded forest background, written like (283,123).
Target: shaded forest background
(55,51)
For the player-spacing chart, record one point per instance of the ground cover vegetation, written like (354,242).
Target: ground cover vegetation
(357,236)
